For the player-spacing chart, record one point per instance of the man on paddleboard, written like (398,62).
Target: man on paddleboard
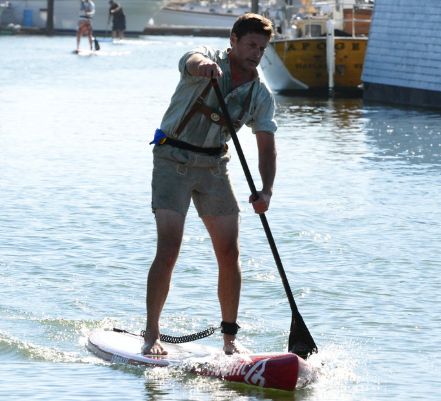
(190,163)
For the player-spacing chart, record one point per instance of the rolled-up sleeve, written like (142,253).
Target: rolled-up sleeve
(263,113)
(205,51)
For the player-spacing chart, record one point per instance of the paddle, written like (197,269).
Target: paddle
(96,43)
(300,340)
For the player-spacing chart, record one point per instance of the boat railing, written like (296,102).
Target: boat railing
(4,5)
(357,19)
(351,18)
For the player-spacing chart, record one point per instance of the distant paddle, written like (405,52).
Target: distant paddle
(96,44)
(300,340)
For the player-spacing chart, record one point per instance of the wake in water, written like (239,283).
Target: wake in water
(17,349)
(102,53)
(333,368)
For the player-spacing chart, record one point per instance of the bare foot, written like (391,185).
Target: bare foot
(153,348)
(234,347)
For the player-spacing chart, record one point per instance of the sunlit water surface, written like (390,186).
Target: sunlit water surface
(356,216)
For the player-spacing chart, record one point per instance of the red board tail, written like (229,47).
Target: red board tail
(272,371)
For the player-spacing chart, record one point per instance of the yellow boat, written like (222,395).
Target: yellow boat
(321,51)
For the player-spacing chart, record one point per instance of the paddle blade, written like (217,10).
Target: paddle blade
(300,341)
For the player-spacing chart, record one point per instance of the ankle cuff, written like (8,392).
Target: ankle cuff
(229,328)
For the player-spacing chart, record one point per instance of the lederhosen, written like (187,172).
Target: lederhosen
(213,115)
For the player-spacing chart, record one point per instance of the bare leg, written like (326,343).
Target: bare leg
(224,233)
(170,228)
(79,33)
(90,35)
(82,29)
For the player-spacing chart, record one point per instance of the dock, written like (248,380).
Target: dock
(150,30)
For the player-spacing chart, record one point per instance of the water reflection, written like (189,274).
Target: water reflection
(338,112)
(413,136)
(387,133)
(322,129)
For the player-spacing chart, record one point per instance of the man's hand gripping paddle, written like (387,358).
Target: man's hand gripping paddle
(300,340)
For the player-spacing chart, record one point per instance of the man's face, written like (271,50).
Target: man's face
(248,50)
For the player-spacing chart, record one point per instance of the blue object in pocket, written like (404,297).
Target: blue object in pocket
(159,137)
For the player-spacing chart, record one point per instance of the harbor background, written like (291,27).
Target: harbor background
(355,214)
(33,15)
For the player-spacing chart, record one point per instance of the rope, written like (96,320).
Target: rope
(176,339)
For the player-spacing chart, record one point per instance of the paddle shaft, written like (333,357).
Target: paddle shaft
(298,320)
(254,193)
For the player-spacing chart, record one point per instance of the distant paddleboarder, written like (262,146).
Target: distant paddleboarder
(87,11)
(116,13)
(190,163)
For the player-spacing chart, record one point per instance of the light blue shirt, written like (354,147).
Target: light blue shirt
(87,9)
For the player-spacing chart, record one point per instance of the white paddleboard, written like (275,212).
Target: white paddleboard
(125,348)
(83,52)
(273,370)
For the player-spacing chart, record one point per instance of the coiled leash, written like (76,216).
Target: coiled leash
(226,328)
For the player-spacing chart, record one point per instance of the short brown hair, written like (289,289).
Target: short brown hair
(252,23)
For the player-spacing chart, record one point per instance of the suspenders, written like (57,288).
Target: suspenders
(213,115)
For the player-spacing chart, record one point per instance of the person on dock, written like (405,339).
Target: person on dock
(87,11)
(116,13)
(190,163)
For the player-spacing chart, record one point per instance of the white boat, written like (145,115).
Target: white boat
(205,13)
(3,6)
(33,14)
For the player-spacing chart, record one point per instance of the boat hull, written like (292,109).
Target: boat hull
(176,17)
(300,64)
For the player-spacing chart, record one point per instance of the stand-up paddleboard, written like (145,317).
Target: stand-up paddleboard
(101,53)
(84,52)
(272,370)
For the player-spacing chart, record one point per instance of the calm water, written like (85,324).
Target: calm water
(356,216)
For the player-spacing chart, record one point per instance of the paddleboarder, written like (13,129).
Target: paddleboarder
(190,163)
(116,13)
(87,11)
